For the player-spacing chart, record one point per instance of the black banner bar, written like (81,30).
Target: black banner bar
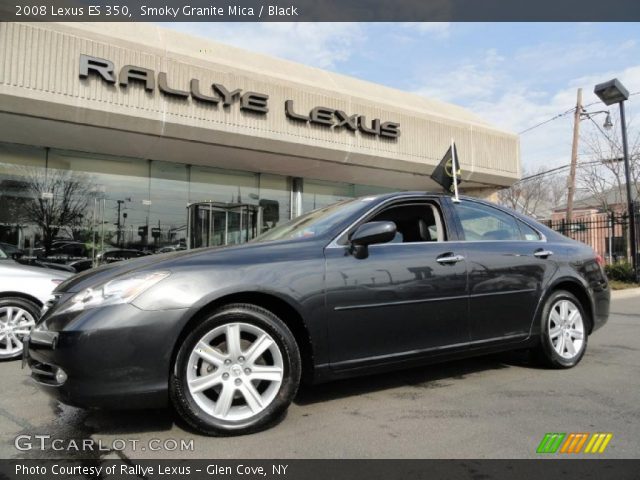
(319,10)
(547,469)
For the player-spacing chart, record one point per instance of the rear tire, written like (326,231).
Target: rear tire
(237,372)
(17,317)
(563,337)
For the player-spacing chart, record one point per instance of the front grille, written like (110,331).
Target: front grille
(43,372)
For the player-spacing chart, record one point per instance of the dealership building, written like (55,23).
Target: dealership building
(108,132)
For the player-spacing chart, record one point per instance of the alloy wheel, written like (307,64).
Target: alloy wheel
(566,329)
(15,324)
(235,371)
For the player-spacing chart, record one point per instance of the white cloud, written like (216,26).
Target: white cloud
(321,45)
(465,81)
(550,145)
(550,57)
(436,29)
(499,90)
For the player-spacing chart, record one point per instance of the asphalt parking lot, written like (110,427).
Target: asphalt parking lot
(490,407)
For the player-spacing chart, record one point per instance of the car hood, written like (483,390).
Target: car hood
(104,273)
(165,261)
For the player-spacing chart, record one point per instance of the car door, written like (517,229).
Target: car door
(508,263)
(407,298)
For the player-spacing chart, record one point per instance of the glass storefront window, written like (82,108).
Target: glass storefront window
(318,194)
(66,206)
(211,184)
(109,194)
(225,189)
(275,200)
(167,226)
(19,166)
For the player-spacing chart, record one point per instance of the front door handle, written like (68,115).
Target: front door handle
(542,253)
(448,258)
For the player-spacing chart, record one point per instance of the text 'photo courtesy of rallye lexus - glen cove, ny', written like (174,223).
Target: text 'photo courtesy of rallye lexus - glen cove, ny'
(226,335)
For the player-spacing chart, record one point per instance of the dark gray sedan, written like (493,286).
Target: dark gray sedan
(377,283)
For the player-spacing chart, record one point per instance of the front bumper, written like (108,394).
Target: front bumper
(114,357)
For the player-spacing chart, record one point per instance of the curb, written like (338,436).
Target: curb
(626,293)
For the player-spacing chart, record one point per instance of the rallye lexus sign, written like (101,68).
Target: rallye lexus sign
(218,94)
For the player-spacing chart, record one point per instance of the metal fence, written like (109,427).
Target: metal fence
(606,233)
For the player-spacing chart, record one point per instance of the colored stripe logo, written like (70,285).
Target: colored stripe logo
(598,443)
(574,443)
(550,443)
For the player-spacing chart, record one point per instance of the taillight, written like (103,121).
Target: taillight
(600,260)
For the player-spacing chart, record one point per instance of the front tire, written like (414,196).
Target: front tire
(237,372)
(564,337)
(17,317)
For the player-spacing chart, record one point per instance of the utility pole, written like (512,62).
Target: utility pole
(118,225)
(571,181)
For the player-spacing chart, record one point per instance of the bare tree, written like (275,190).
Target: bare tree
(601,173)
(60,199)
(529,195)
(557,185)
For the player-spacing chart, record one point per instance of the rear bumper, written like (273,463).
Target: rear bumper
(122,364)
(601,305)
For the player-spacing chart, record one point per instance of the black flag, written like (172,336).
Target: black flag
(443,174)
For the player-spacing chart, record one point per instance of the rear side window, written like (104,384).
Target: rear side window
(482,223)
(528,233)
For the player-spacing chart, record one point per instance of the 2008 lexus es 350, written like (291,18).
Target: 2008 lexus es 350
(227,334)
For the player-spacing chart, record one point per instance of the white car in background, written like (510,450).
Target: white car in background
(23,291)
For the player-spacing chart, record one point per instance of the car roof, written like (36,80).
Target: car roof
(422,193)
(410,193)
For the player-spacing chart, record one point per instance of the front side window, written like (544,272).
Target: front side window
(414,222)
(483,223)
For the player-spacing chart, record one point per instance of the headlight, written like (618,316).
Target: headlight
(120,290)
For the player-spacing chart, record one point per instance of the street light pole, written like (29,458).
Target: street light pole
(612,92)
(630,208)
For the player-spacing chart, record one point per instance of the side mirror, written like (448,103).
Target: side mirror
(371,233)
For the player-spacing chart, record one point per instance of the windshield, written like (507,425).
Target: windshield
(315,223)
(2,254)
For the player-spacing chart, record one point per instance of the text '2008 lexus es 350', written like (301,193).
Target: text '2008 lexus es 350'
(226,334)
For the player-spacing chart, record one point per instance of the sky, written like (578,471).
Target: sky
(514,75)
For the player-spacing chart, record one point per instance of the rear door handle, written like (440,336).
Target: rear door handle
(448,258)
(542,253)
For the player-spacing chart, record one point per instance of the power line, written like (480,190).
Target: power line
(605,134)
(560,115)
(579,165)
(557,169)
